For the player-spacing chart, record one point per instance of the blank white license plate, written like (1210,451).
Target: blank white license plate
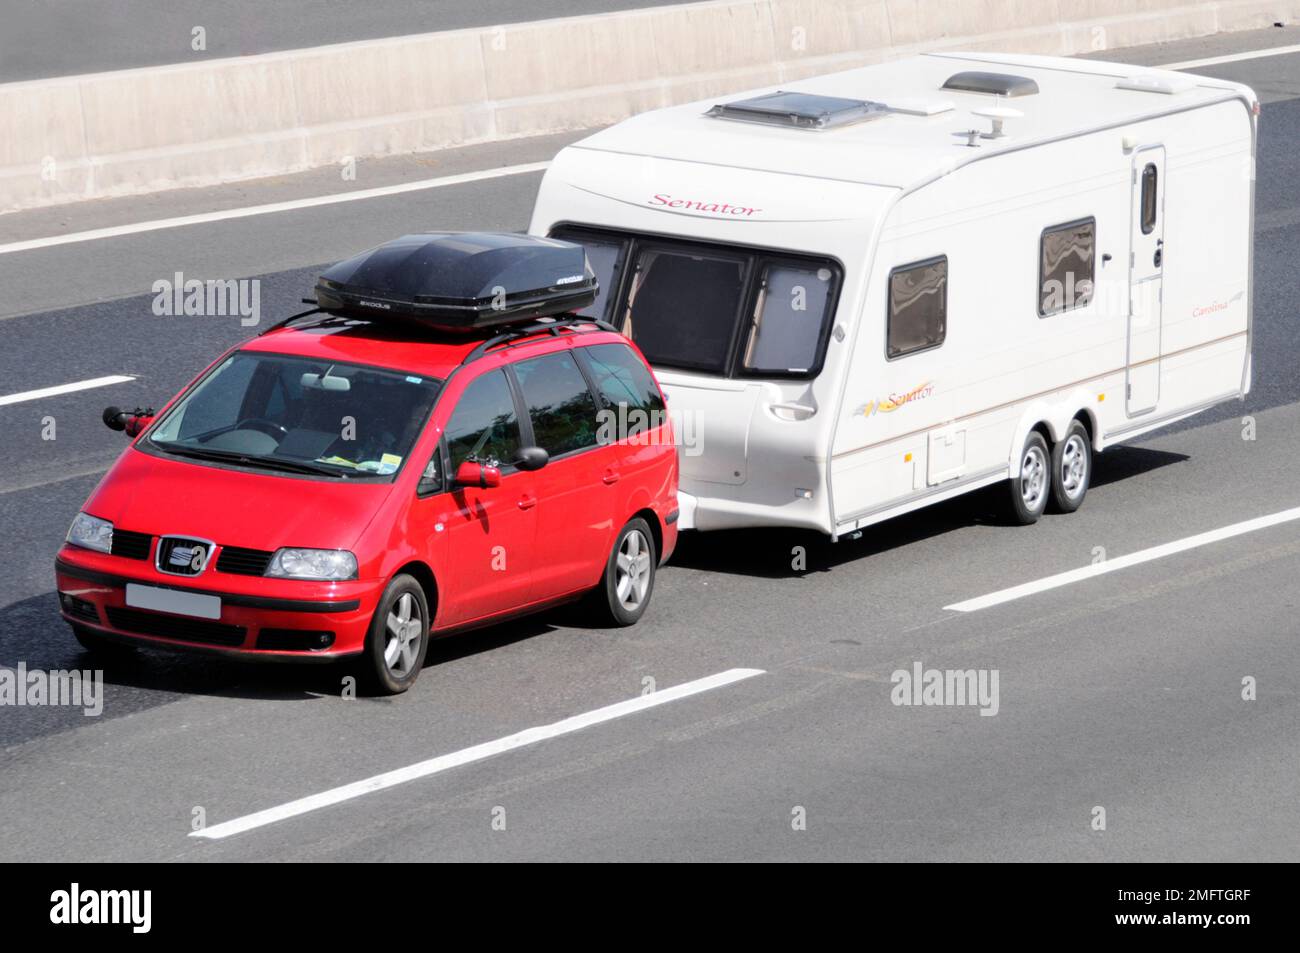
(169,600)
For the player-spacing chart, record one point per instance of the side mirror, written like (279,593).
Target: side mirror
(133,421)
(480,475)
(532,458)
(115,418)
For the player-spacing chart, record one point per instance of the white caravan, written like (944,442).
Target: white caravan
(874,290)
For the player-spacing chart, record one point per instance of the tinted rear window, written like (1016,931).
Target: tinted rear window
(559,403)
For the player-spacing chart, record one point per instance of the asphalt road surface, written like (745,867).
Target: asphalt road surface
(43,38)
(1123,691)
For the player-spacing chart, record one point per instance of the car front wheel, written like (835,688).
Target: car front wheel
(398,638)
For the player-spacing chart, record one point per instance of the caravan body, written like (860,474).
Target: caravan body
(860,298)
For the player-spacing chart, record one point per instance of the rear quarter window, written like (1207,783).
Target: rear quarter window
(630,398)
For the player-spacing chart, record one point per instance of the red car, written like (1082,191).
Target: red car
(341,488)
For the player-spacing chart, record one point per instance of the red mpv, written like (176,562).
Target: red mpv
(344,488)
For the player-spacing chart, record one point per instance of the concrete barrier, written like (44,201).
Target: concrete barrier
(141,130)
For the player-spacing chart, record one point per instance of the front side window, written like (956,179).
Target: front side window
(484,427)
(284,413)
(1066,266)
(918,307)
(789,315)
(560,405)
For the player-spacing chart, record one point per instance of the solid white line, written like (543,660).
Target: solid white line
(423,769)
(288,206)
(1232,57)
(63,389)
(1124,562)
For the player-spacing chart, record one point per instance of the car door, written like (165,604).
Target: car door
(490,530)
(575,513)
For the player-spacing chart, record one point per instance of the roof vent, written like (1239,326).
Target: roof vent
(1003,84)
(1169,84)
(800,110)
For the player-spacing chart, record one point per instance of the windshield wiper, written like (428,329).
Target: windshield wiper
(253,459)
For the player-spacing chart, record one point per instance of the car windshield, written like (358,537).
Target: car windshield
(299,415)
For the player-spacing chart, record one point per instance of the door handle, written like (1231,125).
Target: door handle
(611,476)
(527,502)
(1159,257)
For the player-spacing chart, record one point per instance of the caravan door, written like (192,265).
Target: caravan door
(1146,271)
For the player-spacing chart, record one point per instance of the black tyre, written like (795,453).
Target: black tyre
(398,639)
(1071,469)
(100,645)
(1031,490)
(629,580)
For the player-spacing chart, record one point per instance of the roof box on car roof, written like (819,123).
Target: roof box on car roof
(460,280)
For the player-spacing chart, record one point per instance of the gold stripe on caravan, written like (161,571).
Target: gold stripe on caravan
(1041,393)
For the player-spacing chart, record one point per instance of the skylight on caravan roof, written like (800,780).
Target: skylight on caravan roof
(1003,84)
(800,110)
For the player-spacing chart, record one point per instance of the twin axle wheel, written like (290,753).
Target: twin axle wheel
(1056,476)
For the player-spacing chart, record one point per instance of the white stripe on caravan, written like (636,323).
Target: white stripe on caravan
(444,762)
(63,389)
(1123,562)
(1231,57)
(288,206)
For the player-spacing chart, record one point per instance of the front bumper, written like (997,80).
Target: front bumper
(260,618)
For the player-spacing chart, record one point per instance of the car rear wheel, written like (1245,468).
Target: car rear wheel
(398,639)
(629,581)
(1031,490)
(1071,469)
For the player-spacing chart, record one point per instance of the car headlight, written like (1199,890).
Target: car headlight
(91,532)
(313,564)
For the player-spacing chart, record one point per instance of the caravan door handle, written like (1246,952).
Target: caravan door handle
(1159,257)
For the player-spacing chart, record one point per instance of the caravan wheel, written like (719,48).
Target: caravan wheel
(1031,490)
(1071,469)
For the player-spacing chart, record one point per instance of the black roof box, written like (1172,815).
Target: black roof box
(460,280)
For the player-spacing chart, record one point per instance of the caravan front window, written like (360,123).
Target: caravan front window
(722,309)
(788,318)
(682,307)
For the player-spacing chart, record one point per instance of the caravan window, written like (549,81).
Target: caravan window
(722,309)
(683,304)
(1066,266)
(918,307)
(1149,199)
(606,259)
(788,318)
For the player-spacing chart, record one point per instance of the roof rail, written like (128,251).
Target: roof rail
(551,326)
(284,323)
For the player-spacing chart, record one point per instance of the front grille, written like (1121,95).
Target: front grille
(294,640)
(181,556)
(131,545)
(244,562)
(79,608)
(142,622)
